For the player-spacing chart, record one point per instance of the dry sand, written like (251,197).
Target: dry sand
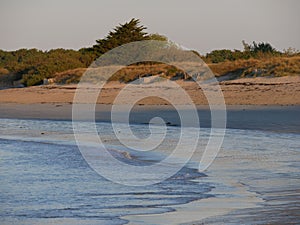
(246,91)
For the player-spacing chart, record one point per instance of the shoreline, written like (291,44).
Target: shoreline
(246,201)
(268,114)
(205,209)
(232,199)
(266,118)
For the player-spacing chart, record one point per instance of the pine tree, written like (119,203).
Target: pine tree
(122,34)
(263,47)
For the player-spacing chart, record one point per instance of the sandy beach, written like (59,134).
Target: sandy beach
(257,109)
(245,91)
(250,102)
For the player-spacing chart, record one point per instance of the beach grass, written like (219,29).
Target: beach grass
(273,67)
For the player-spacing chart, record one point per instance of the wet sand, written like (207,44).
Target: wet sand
(272,118)
(270,212)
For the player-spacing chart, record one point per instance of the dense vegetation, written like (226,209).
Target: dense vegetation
(253,67)
(256,51)
(31,66)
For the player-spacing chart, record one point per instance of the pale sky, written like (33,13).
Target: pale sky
(195,24)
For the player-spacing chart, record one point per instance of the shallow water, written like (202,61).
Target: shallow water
(45,179)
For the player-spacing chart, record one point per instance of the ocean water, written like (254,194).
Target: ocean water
(46,180)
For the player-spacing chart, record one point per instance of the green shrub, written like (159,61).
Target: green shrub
(32,79)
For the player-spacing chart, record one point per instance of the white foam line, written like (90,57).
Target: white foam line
(198,210)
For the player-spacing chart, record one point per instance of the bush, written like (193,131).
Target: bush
(32,79)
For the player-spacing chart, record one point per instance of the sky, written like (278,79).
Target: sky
(195,24)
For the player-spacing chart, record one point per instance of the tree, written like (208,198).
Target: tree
(247,47)
(262,47)
(122,34)
(222,55)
